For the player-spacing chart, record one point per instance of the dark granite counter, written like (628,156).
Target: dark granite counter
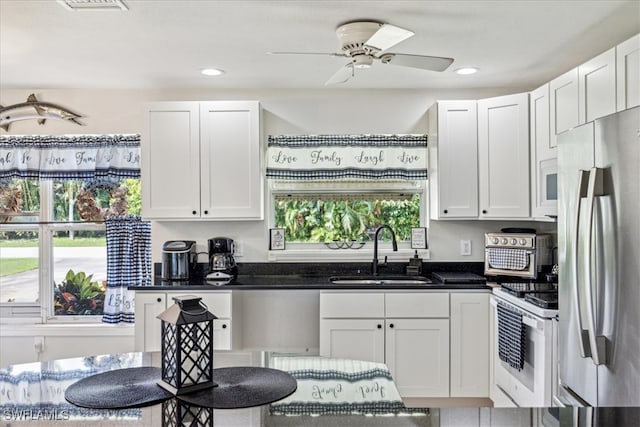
(295,282)
(316,276)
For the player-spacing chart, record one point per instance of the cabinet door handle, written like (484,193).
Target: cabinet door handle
(206,212)
(224,326)
(391,325)
(484,211)
(159,299)
(446,211)
(194,212)
(379,326)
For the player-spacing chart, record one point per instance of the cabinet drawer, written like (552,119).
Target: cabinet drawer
(351,305)
(417,305)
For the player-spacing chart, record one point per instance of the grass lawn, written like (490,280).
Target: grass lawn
(17,265)
(57,241)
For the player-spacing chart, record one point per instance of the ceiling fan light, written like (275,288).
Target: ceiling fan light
(362,61)
(212,72)
(466,71)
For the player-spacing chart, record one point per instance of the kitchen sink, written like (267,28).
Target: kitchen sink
(379,280)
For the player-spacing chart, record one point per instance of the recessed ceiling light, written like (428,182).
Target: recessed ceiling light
(466,70)
(212,72)
(93,4)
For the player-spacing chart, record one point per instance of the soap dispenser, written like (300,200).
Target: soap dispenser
(415,265)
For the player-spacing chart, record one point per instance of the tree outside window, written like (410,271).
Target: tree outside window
(345,218)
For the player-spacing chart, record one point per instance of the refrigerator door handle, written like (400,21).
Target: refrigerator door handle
(583,334)
(597,343)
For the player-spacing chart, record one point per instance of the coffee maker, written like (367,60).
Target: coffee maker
(222,265)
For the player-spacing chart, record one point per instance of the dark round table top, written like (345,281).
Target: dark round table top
(237,387)
(243,387)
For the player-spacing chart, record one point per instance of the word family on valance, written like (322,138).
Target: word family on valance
(70,156)
(332,157)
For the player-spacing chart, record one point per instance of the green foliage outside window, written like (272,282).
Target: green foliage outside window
(326,220)
(79,294)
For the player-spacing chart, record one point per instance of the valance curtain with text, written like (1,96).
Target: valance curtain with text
(69,156)
(332,157)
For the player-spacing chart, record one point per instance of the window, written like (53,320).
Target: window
(322,217)
(53,247)
(345,218)
(334,191)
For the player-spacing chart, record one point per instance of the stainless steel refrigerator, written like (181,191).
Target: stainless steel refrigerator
(599,262)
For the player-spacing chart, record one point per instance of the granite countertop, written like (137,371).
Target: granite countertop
(296,276)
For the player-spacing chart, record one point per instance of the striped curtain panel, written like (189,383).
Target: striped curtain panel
(339,157)
(128,264)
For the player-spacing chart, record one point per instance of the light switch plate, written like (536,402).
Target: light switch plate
(465,247)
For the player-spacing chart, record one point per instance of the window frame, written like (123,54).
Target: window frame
(45,228)
(310,252)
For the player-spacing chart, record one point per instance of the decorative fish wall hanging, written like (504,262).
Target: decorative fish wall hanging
(34,109)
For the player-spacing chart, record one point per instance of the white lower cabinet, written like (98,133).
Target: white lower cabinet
(428,340)
(359,339)
(417,355)
(435,344)
(150,304)
(470,344)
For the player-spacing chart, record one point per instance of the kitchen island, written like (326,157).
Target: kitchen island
(35,393)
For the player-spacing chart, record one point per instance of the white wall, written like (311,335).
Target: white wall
(328,111)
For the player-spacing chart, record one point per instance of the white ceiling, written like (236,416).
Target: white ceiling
(164,43)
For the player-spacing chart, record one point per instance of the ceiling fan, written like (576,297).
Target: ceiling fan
(364,42)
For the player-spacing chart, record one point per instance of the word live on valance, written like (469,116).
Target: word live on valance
(328,157)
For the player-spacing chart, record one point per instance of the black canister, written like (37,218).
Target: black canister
(178,259)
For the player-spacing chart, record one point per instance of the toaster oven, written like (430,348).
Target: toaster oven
(522,255)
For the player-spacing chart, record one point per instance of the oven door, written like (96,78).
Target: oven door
(532,385)
(528,271)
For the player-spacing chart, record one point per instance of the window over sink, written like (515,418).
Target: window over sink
(331,192)
(339,219)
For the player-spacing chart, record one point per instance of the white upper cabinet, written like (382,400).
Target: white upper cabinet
(230,173)
(597,87)
(544,166)
(628,73)
(170,175)
(503,156)
(201,160)
(563,104)
(453,160)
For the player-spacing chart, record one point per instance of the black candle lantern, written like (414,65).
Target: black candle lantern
(187,346)
(176,413)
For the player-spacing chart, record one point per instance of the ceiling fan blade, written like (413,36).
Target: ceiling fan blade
(432,63)
(340,55)
(342,75)
(387,36)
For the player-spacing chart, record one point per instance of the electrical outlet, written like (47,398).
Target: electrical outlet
(465,247)
(38,344)
(239,248)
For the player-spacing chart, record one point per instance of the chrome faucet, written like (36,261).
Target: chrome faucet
(374,264)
